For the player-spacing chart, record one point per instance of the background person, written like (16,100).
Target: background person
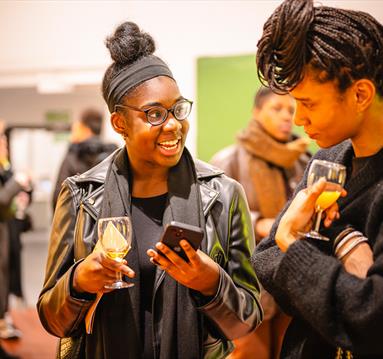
(10,186)
(86,148)
(330,61)
(20,223)
(176,309)
(268,160)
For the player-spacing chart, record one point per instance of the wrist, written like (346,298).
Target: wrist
(74,283)
(285,239)
(346,243)
(212,289)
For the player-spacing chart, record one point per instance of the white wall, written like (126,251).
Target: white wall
(64,39)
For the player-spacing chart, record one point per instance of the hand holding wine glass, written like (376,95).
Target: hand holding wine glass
(335,176)
(115,235)
(297,219)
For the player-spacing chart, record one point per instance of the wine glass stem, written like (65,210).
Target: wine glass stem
(119,276)
(318,219)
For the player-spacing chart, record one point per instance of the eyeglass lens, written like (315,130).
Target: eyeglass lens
(158,114)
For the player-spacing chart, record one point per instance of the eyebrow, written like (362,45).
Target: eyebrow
(159,103)
(304,99)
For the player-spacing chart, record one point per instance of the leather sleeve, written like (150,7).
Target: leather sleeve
(236,308)
(59,312)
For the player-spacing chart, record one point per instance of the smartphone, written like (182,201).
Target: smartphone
(175,231)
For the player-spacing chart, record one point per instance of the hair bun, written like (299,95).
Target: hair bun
(128,44)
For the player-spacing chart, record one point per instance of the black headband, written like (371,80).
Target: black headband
(142,70)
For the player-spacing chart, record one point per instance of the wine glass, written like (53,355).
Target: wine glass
(335,175)
(115,236)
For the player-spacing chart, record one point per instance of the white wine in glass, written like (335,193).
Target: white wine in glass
(335,176)
(115,235)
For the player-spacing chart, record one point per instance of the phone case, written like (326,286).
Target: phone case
(175,231)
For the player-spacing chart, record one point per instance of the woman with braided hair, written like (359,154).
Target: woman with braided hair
(330,61)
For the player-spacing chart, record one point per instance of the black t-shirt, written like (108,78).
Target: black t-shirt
(147,216)
(358,163)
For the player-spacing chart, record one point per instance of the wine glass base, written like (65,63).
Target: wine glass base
(119,285)
(314,235)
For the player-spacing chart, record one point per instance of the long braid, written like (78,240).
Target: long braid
(344,44)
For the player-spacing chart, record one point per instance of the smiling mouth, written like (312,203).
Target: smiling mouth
(169,145)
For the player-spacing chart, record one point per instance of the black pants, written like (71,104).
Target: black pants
(4,268)
(15,227)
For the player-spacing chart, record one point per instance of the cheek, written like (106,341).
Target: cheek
(185,128)
(143,134)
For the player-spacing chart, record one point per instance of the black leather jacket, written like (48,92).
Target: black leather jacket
(235,310)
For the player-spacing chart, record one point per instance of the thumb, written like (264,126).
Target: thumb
(315,190)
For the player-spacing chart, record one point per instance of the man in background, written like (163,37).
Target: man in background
(86,148)
(268,161)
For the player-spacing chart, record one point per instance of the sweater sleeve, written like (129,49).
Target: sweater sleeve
(344,309)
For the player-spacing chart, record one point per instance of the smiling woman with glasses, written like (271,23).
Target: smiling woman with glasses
(188,306)
(156,114)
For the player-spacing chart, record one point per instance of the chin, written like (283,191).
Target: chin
(283,138)
(170,161)
(324,144)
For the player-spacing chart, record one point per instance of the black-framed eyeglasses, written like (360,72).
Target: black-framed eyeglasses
(157,115)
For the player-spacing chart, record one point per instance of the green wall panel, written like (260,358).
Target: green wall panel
(225,91)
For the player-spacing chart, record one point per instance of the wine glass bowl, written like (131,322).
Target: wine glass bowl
(335,176)
(115,236)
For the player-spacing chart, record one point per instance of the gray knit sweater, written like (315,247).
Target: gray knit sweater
(330,306)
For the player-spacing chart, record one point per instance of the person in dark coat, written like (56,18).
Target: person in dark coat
(330,61)
(10,186)
(86,148)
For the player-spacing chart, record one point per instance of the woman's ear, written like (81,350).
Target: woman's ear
(365,92)
(119,123)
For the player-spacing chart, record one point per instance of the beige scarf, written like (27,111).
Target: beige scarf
(272,164)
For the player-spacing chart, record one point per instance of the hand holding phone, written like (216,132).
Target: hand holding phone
(175,231)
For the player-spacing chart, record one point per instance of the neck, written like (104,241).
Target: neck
(369,139)
(82,137)
(148,182)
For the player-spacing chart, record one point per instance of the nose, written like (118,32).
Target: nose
(287,115)
(300,118)
(171,123)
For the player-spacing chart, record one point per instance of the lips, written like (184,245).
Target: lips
(311,135)
(170,147)
(285,128)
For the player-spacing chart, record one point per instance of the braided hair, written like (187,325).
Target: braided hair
(338,44)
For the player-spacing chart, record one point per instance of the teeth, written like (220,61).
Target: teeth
(169,143)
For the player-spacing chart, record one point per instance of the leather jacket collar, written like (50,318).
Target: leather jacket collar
(97,176)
